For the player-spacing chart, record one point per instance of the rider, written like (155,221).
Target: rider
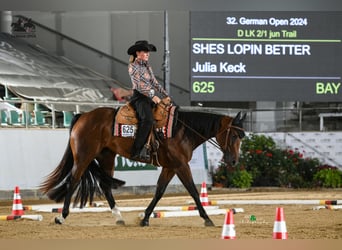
(145,94)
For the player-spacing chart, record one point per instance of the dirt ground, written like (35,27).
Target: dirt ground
(302,221)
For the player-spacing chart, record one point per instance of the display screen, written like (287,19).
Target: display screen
(265,56)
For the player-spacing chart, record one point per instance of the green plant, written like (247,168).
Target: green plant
(220,175)
(270,165)
(241,179)
(262,163)
(259,157)
(306,169)
(328,178)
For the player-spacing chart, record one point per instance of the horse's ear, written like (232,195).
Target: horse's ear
(238,119)
(238,115)
(243,117)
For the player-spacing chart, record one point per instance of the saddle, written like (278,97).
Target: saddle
(127,114)
(126,123)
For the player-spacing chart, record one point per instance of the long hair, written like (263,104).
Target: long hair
(132,58)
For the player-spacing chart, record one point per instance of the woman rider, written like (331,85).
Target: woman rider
(146,92)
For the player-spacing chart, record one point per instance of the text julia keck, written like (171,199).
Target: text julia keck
(251,49)
(223,67)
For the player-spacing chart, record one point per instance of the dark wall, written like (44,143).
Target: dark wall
(153,5)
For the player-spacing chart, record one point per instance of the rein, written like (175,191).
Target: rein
(210,140)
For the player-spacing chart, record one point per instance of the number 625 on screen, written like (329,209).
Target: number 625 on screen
(203,87)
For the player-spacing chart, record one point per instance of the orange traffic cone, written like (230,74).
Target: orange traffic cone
(17,208)
(279,228)
(204,195)
(228,230)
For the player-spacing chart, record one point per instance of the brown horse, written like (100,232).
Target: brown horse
(87,166)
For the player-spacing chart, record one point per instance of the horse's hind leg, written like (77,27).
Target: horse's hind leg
(164,178)
(67,200)
(106,161)
(115,211)
(72,182)
(184,174)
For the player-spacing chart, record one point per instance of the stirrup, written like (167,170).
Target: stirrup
(145,152)
(155,145)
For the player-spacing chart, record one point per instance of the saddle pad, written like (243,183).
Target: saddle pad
(167,130)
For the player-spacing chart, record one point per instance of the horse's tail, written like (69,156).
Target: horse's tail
(55,185)
(94,181)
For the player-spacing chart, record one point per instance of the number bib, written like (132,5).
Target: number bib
(127,130)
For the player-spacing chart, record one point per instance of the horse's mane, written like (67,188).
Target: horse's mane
(198,123)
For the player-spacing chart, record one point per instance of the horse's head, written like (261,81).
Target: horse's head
(229,137)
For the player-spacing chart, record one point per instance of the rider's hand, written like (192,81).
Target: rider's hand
(168,99)
(156,99)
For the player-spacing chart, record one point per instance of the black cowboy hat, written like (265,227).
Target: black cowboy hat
(141,46)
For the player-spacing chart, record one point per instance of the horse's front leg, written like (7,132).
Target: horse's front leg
(185,176)
(164,179)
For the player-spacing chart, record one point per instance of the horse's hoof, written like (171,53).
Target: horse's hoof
(120,223)
(144,223)
(59,220)
(209,223)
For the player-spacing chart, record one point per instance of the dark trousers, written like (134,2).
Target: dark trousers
(143,106)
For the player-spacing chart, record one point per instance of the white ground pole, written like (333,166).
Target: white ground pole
(272,202)
(190,213)
(56,207)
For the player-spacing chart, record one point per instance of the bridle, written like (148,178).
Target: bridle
(228,129)
(210,140)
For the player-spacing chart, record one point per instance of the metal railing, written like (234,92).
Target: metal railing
(281,120)
(52,118)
